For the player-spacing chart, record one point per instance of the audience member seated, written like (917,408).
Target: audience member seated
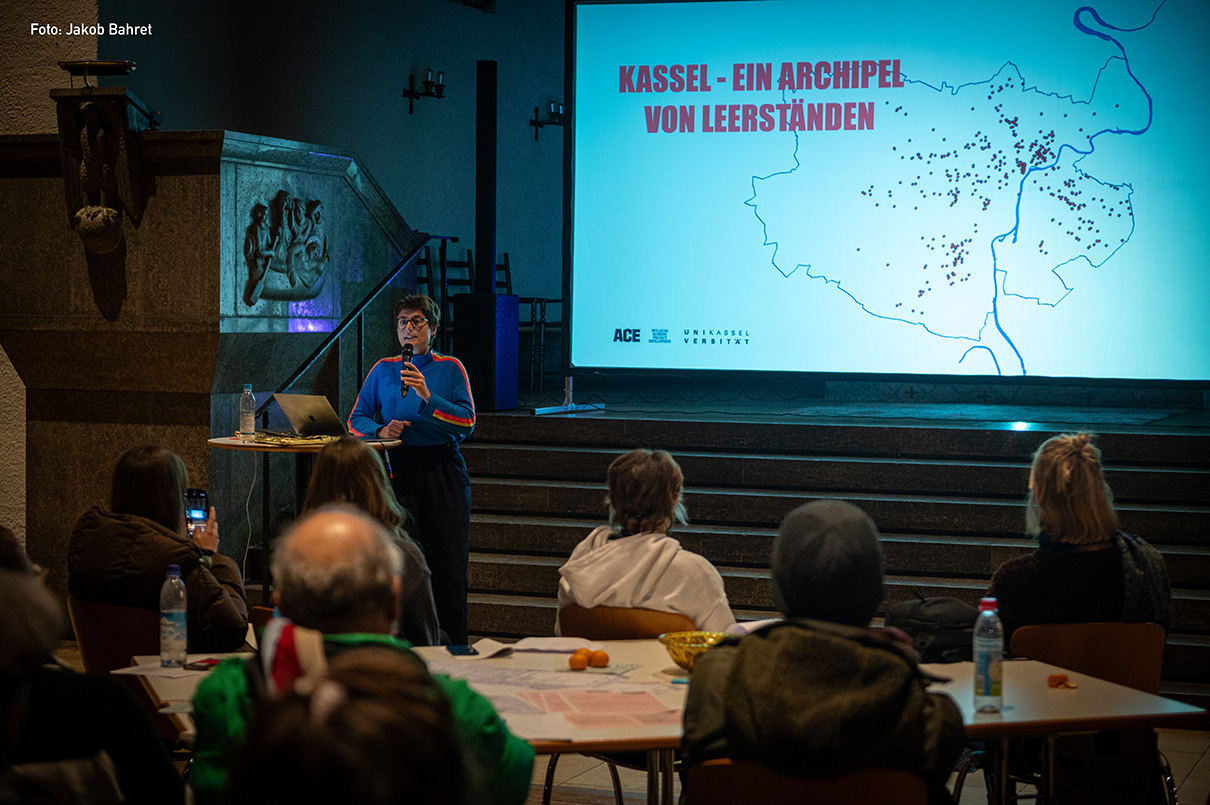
(632,562)
(336,573)
(819,694)
(375,729)
(67,737)
(120,556)
(350,471)
(1085,568)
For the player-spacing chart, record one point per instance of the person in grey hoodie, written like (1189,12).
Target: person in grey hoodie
(632,562)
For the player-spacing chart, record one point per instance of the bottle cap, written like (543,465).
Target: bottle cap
(247,387)
(986,604)
(174,570)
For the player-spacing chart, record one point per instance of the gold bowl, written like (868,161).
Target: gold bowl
(686,647)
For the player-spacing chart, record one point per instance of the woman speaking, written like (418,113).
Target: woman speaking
(424,399)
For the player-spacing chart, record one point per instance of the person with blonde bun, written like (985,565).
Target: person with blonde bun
(1086,568)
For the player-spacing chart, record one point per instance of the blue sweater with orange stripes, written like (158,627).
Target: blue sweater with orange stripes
(448,416)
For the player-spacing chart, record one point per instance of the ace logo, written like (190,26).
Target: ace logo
(629,336)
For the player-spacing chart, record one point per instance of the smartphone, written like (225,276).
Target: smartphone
(197,508)
(462,651)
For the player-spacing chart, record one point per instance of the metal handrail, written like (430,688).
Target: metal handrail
(263,409)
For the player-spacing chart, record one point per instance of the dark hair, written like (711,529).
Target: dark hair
(1069,500)
(350,471)
(376,729)
(150,482)
(644,492)
(420,302)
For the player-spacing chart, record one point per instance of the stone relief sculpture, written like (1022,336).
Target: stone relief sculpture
(285,249)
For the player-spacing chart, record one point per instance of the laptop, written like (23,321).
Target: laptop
(309,415)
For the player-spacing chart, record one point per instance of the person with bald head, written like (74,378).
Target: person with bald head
(337,587)
(820,694)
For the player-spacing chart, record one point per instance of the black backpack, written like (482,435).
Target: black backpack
(941,628)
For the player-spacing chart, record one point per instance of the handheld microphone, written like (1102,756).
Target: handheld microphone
(407,358)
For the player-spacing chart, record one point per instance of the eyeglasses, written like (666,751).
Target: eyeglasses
(417,322)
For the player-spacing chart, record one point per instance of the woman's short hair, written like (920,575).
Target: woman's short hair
(1069,500)
(350,471)
(644,492)
(375,729)
(150,482)
(418,301)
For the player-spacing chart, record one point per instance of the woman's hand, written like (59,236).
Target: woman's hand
(207,536)
(392,429)
(412,377)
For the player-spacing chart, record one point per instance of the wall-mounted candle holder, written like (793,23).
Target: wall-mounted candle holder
(554,117)
(432,89)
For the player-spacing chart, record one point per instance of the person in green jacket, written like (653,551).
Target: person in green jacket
(337,573)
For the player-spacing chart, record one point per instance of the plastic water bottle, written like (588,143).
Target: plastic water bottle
(247,415)
(989,654)
(173,628)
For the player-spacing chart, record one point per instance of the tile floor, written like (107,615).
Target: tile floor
(582,780)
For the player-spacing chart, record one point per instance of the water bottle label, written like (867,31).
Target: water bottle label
(172,637)
(988,668)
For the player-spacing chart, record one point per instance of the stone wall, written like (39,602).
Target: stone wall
(151,347)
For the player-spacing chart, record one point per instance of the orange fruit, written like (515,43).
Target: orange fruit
(578,661)
(599,659)
(585,651)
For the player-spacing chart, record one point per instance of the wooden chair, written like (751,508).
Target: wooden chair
(620,623)
(612,623)
(108,636)
(259,616)
(1096,649)
(725,781)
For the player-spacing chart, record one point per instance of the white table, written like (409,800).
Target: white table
(1032,708)
(177,691)
(655,673)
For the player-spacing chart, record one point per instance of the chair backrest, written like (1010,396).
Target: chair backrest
(619,623)
(1130,654)
(725,781)
(110,634)
(504,277)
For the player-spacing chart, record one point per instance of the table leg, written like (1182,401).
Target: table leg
(266,520)
(667,761)
(1002,763)
(653,777)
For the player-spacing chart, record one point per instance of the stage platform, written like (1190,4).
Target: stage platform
(944,481)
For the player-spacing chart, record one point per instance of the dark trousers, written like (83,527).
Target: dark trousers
(432,484)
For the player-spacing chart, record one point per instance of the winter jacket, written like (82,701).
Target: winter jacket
(122,559)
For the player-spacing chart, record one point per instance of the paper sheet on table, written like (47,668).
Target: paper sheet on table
(595,702)
(556,645)
(540,727)
(481,675)
(486,648)
(748,627)
(154,670)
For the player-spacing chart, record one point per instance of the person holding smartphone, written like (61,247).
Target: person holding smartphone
(426,402)
(119,556)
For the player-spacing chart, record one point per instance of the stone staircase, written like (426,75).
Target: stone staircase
(946,497)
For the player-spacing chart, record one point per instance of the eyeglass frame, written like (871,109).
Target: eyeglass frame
(417,322)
